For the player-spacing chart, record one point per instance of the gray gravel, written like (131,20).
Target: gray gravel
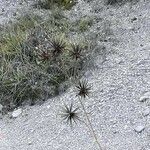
(11,9)
(115,106)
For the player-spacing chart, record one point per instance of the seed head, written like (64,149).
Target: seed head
(69,114)
(83,88)
(58,46)
(75,53)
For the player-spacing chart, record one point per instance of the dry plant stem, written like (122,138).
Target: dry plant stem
(89,123)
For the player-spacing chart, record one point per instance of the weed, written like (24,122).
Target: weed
(48,4)
(84,24)
(69,114)
(76,52)
(58,46)
(33,61)
(83,88)
(27,22)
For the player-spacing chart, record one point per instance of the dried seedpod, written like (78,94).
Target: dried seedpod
(83,88)
(76,51)
(69,114)
(58,46)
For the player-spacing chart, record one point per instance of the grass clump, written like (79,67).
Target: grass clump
(120,2)
(15,34)
(49,4)
(34,61)
(82,24)
(10,41)
(36,57)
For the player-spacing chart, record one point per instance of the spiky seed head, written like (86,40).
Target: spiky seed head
(69,114)
(75,53)
(58,46)
(83,88)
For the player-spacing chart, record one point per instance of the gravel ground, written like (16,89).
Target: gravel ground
(120,101)
(10,9)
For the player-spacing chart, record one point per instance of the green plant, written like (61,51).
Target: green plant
(36,56)
(48,4)
(58,46)
(27,22)
(10,41)
(34,68)
(84,24)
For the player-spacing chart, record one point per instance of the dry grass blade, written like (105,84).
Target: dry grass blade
(44,56)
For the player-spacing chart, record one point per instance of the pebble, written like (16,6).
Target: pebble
(133,19)
(30,143)
(48,106)
(139,128)
(16,113)
(145,97)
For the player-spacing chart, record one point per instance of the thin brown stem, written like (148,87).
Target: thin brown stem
(90,125)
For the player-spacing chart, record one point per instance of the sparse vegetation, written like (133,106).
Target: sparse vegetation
(113,2)
(84,24)
(36,57)
(48,4)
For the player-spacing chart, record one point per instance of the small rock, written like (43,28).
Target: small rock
(48,106)
(16,113)
(145,97)
(125,127)
(15,14)
(30,143)
(139,128)
(133,19)
(146,112)
(3,9)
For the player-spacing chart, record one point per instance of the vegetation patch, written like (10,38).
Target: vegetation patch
(49,4)
(120,2)
(36,56)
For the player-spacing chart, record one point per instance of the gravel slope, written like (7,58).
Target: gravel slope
(10,9)
(118,86)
